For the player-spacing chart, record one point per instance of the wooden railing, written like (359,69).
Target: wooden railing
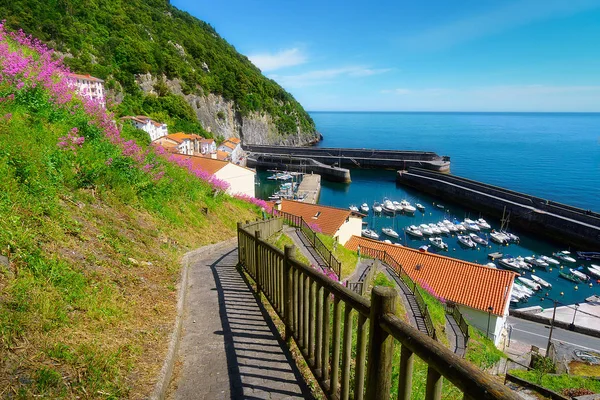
(410,284)
(335,329)
(360,287)
(298,222)
(460,320)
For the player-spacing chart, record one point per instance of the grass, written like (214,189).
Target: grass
(280,240)
(481,351)
(348,258)
(584,369)
(438,315)
(382,280)
(557,383)
(94,246)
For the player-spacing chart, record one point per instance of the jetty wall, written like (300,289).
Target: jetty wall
(299,164)
(560,222)
(357,158)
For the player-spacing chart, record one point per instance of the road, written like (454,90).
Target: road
(537,334)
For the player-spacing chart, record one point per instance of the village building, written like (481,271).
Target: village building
(154,129)
(240,179)
(233,148)
(336,222)
(482,294)
(89,86)
(208,146)
(183,143)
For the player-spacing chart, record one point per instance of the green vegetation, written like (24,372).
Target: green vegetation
(481,351)
(438,314)
(280,240)
(116,40)
(382,280)
(94,242)
(558,383)
(348,258)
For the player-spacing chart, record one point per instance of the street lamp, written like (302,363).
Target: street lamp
(551,323)
(572,326)
(490,309)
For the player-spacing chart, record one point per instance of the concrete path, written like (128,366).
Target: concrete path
(455,336)
(305,247)
(229,347)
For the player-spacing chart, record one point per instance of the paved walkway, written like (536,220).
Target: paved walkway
(455,336)
(229,347)
(305,247)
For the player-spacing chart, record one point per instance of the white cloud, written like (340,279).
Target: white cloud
(282,59)
(324,76)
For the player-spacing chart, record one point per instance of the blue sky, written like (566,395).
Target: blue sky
(524,55)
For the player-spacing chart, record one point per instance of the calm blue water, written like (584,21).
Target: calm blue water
(554,156)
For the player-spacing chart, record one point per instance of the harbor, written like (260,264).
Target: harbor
(275,185)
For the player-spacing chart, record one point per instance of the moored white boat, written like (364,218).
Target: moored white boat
(530,283)
(413,231)
(491,265)
(511,237)
(550,260)
(523,289)
(434,228)
(387,241)
(565,256)
(443,228)
(388,206)
(369,234)
(353,208)
(377,207)
(425,229)
(471,225)
(407,207)
(579,274)
(420,206)
(478,239)
(390,232)
(438,242)
(594,271)
(539,280)
(509,263)
(536,262)
(498,237)
(483,224)
(466,241)
(364,208)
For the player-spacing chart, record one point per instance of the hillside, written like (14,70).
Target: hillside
(93,224)
(153,55)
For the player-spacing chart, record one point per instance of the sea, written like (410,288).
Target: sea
(555,156)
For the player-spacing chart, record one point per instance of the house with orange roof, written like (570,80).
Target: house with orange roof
(154,129)
(481,293)
(336,222)
(240,179)
(208,146)
(88,86)
(187,143)
(233,148)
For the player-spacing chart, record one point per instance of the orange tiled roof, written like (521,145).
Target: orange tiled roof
(180,136)
(234,140)
(87,76)
(209,141)
(206,164)
(459,281)
(329,221)
(222,155)
(229,144)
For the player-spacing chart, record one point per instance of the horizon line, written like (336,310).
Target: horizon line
(454,112)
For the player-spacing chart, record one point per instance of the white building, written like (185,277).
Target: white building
(89,86)
(240,179)
(154,129)
(233,148)
(208,146)
(182,143)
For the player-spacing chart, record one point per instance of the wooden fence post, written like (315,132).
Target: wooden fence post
(287,291)
(256,261)
(381,344)
(240,250)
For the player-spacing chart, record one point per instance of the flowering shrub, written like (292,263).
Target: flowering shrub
(430,290)
(72,141)
(316,228)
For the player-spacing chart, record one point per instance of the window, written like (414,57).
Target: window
(316,216)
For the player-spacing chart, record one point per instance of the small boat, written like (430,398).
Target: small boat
(353,208)
(530,283)
(483,224)
(369,234)
(364,208)
(466,241)
(498,237)
(438,242)
(536,262)
(397,205)
(387,241)
(414,231)
(472,227)
(550,260)
(390,232)
(595,272)
(511,237)
(490,265)
(510,263)
(434,228)
(569,277)
(377,207)
(460,227)
(424,248)
(540,281)
(443,228)
(425,229)
(440,206)
(407,207)
(522,264)
(595,266)
(565,256)
(478,239)
(579,274)
(420,207)
(388,206)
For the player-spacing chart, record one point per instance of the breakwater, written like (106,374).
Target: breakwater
(561,222)
(311,157)
(298,164)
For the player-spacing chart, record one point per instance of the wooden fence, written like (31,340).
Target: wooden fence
(327,255)
(267,227)
(360,287)
(410,284)
(316,310)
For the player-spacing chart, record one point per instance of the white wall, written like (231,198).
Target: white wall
(352,227)
(479,319)
(240,179)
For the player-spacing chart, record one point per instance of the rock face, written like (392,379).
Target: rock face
(220,117)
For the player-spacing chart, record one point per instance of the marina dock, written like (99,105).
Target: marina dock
(310,188)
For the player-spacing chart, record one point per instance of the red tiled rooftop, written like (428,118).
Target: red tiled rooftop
(87,77)
(462,282)
(206,164)
(330,218)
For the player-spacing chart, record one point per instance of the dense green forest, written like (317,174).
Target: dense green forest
(116,40)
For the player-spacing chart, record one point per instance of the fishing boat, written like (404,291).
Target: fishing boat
(364,208)
(413,231)
(569,277)
(377,207)
(466,241)
(369,234)
(388,206)
(425,229)
(498,237)
(390,232)
(511,237)
(438,242)
(579,274)
(434,228)
(420,207)
(440,206)
(540,281)
(528,282)
(478,239)
(443,228)
(353,208)
(510,263)
(407,207)
(482,223)
(536,262)
(550,260)
(565,256)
